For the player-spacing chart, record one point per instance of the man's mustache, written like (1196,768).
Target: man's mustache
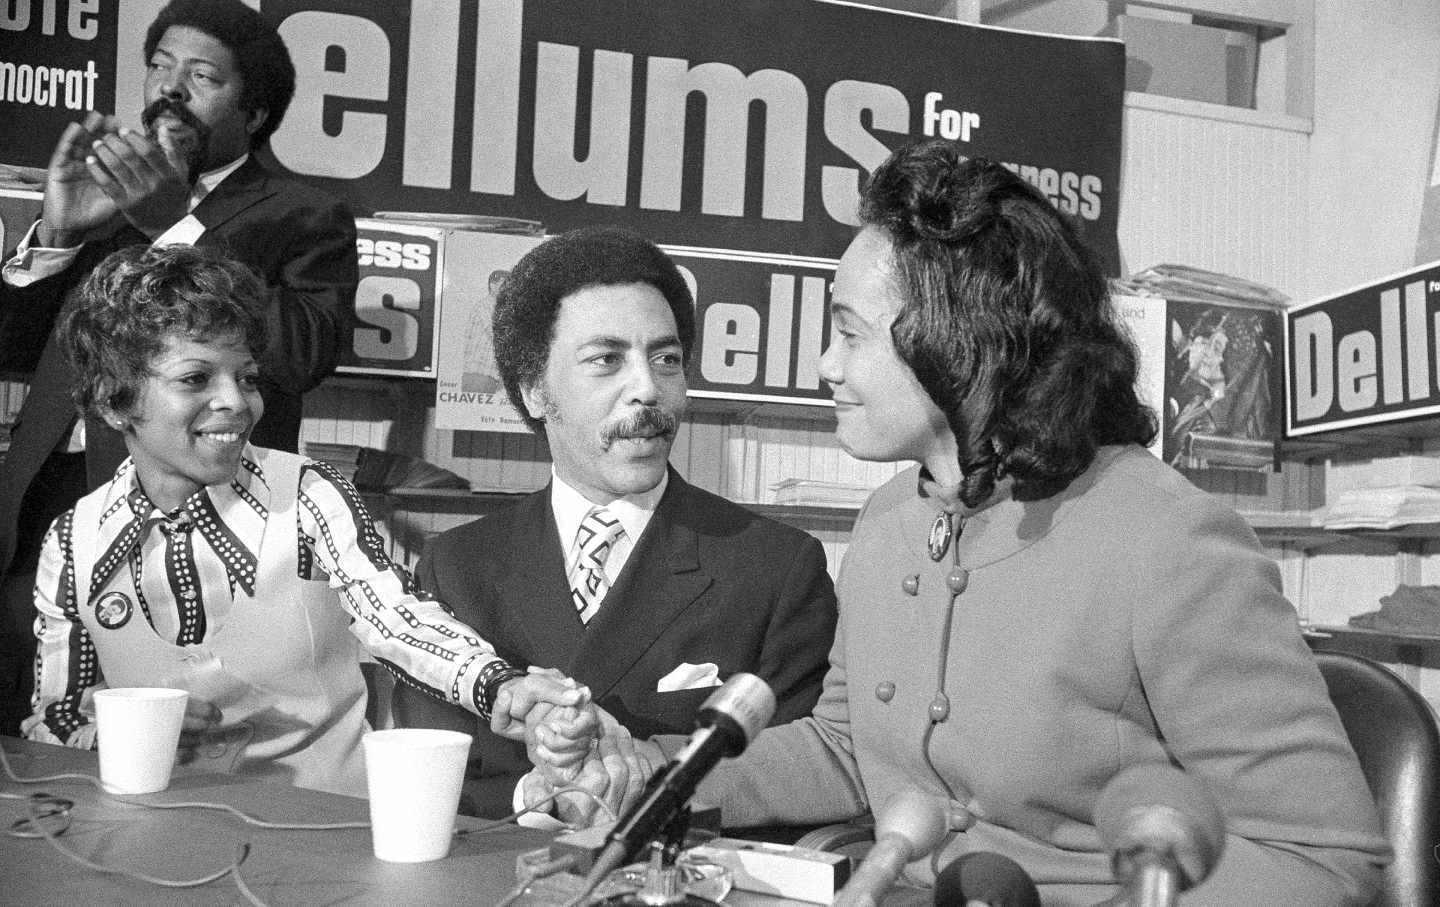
(646,422)
(163,106)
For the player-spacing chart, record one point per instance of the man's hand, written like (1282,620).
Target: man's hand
(99,168)
(147,179)
(558,741)
(542,689)
(614,773)
(74,202)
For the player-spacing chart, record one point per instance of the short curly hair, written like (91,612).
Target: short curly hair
(140,297)
(267,74)
(1007,320)
(528,303)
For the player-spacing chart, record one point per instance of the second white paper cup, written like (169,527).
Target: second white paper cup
(138,729)
(414,777)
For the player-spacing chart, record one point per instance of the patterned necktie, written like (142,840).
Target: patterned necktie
(593,542)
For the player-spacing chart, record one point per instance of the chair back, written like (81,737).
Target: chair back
(1393,731)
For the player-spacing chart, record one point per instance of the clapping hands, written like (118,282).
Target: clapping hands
(99,168)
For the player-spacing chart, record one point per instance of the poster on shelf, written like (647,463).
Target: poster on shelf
(468,391)
(1212,373)
(396,301)
(1145,317)
(742,124)
(1223,380)
(1366,356)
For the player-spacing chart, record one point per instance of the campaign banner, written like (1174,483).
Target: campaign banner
(57,60)
(1365,356)
(396,301)
(761,323)
(730,124)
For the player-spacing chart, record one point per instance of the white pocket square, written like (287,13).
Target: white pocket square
(690,677)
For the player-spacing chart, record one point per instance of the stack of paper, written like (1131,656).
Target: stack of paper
(815,493)
(486,223)
(1184,282)
(1384,507)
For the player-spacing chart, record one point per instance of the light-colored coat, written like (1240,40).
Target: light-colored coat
(1129,619)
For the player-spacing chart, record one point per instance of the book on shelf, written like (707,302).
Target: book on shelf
(369,469)
(815,493)
(1384,507)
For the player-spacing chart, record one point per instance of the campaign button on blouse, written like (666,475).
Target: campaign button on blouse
(885,691)
(113,610)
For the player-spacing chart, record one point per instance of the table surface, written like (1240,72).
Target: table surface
(284,867)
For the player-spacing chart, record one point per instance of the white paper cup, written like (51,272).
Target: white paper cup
(414,776)
(138,729)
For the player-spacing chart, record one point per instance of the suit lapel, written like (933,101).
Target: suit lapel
(661,580)
(535,585)
(244,188)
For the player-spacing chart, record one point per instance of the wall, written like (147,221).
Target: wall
(1377,82)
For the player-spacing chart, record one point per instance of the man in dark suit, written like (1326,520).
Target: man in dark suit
(619,573)
(217,85)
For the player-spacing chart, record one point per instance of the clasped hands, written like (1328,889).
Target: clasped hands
(583,756)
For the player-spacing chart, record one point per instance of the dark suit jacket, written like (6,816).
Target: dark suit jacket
(301,240)
(708,581)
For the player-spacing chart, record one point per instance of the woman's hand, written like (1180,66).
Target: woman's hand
(539,691)
(613,766)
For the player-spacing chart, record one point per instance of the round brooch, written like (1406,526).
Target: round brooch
(113,610)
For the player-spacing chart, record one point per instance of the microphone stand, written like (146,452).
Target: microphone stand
(663,882)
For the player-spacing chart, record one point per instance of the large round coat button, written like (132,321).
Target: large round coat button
(885,691)
(939,708)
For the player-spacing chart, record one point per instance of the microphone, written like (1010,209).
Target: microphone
(725,724)
(984,879)
(1163,830)
(907,827)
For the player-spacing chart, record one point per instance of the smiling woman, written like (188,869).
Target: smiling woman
(179,380)
(200,531)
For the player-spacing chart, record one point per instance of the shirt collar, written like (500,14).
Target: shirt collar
(212,178)
(634,510)
(231,517)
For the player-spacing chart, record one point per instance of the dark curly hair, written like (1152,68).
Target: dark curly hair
(138,298)
(1007,320)
(529,300)
(267,74)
